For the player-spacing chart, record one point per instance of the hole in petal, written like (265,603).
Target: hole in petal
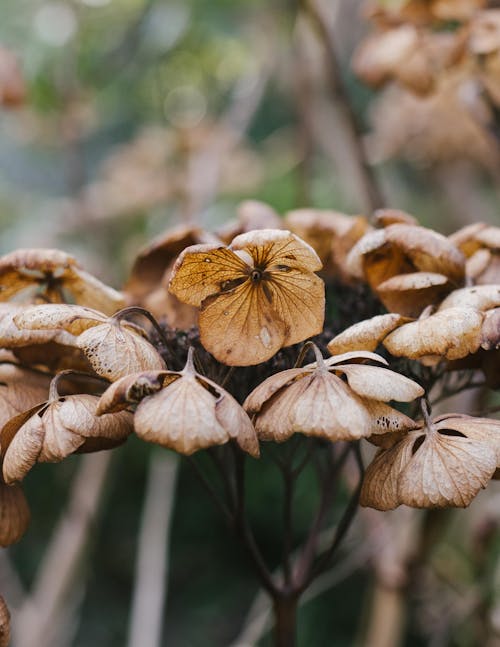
(417,444)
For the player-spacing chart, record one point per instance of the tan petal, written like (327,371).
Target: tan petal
(298,298)
(386,217)
(59,438)
(130,390)
(181,417)
(71,318)
(453,333)
(88,291)
(272,248)
(380,383)
(478,263)
(13,337)
(22,441)
(446,471)
(240,327)
(14,517)
(480,297)
(366,334)
(380,483)
(204,270)
(355,356)
(269,387)
(484,430)
(386,420)
(409,294)
(20,389)
(490,333)
(114,350)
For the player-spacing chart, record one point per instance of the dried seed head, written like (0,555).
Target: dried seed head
(316,401)
(256,296)
(444,463)
(14,518)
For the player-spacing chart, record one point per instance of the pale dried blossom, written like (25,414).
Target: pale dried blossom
(443,463)
(255,296)
(316,401)
(181,410)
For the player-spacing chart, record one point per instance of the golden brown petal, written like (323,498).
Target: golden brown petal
(88,291)
(71,318)
(14,517)
(409,294)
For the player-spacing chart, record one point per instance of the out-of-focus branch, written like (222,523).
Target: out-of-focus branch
(151,573)
(46,613)
(351,128)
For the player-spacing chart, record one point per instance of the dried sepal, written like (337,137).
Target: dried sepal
(452,334)
(256,296)
(190,412)
(444,463)
(14,516)
(53,430)
(315,401)
(367,334)
(56,277)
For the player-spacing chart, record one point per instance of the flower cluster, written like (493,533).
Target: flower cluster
(223,363)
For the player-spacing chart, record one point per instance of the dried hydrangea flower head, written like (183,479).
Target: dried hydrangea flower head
(255,296)
(52,430)
(182,410)
(408,267)
(330,233)
(14,514)
(56,277)
(480,243)
(147,285)
(114,347)
(443,463)
(250,215)
(316,401)
(4,624)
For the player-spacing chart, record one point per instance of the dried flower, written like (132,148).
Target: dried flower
(445,462)
(52,430)
(56,277)
(183,410)
(255,296)
(315,400)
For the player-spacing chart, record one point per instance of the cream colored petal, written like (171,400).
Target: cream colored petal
(489,237)
(259,396)
(380,483)
(13,337)
(481,429)
(480,297)
(490,333)
(51,316)
(114,350)
(446,471)
(204,270)
(60,440)
(88,291)
(298,298)
(366,334)
(409,294)
(241,328)
(328,409)
(453,333)
(181,417)
(478,263)
(131,389)
(380,383)
(24,449)
(275,247)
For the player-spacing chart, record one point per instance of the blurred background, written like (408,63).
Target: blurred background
(120,118)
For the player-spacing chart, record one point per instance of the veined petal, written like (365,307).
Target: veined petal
(203,270)
(240,327)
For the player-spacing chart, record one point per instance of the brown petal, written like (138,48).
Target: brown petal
(204,270)
(366,334)
(240,327)
(131,389)
(380,383)
(115,349)
(20,389)
(446,471)
(409,294)
(14,517)
(88,291)
(274,247)
(452,333)
(298,298)
(380,483)
(21,450)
